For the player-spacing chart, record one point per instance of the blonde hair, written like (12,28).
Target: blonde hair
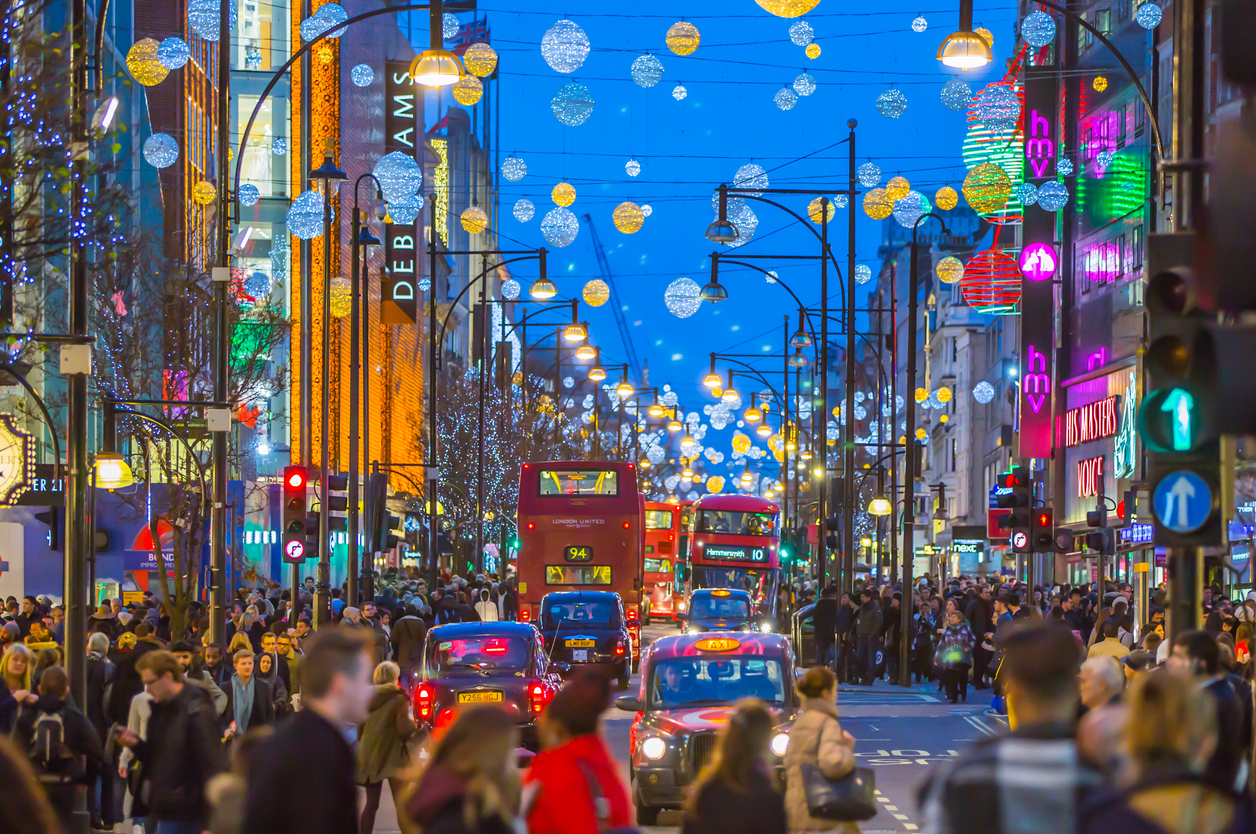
(239,642)
(479,749)
(387,672)
(18,648)
(1171,721)
(126,640)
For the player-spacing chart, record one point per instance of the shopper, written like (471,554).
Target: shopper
(734,793)
(383,743)
(817,739)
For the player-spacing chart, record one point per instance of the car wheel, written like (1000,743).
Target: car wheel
(647,814)
(623,675)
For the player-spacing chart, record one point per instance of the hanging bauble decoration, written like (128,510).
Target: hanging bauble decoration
(892,103)
(305,215)
(801,33)
(204,193)
(815,210)
(563,194)
(480,59)
(1104,158)
(405,210)
(910,209)
(983,392)
(992,282)
(1052,196)
(919,24)
(646,211)
(1038,28)
(632,167)
(877,204)
(646,71)
(173,53)
(863,273)
(715,484)
(248,194)
(449,25)
(949,269)
(805,84)
(682,298)
(987,188)
(750,175)
(161,150)
(560,227)
(683,38)
(565,46)
(868,175)
(257,286)
(1027,193)
(467,90)
(524,209)
(840,200)
(205,15)
(341,297)
(679,92)
(986,35)
(785,98)
(399,176)
(747,223)
(144,64)
(999,107)
(362,75)
(514,169)
(628,217)
(788,8)
(279,147)
(946,198)
(956,94)
(596,292)
(897,188)
(812,51)
(1149,15)
(1064,166)
(572,104)
(474,220)
(510,289)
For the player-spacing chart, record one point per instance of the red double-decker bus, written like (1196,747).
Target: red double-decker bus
(735,543)
(665,540)
(580,528)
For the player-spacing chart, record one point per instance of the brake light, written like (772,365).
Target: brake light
(619,647)
(531,525)
(423,700)
(625,525)
(536,698)
(525,615)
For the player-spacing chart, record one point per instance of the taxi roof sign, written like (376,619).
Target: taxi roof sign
(719,593)
(717,644)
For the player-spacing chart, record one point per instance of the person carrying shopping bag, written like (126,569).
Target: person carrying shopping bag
(816,740)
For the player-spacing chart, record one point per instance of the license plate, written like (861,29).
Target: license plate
(580,655)
(579,644)
(479,697)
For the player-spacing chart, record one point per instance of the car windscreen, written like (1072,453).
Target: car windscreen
(706,605)
(600,613)
(696,681)
(476,654)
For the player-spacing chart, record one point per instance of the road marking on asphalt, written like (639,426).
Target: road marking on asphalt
(910,827)
(980,725)
(901,817)
(891,808)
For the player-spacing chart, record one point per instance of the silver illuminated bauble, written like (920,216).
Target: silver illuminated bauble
(514,169)
(510,289)
(682,298)
(679,92)
(258,285)
(336,14)
(805,84)
(362,75)
(449,26)
(956,95)
(315,25)
(919,24)
(747,224)
(911,208)
(1027,194)
(279,147)
(560,227)
(750,175)
(770,276)
(161,150)
(424,284)
(1052,196)
(868,175)
(524,209)
(1149,15)
(785,98)
(249,194)
(565,46)
(732,202)
(1064,166)
(572,104)
(1038,28)
(569,382)
(840,201)
(998,107)
(305,215)
(863,273)
(405,210)
(205,15)
(892,103)
(983,392)
(647,71)
(632,167)
(173,53)
(646,210)
(801,33)
(1104,158)
(399,176)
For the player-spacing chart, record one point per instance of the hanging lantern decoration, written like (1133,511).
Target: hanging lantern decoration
(143,62)
(572,105)
(897,188)
(801,33)
(785,98)
(257,286)
(788,8)
(514,169)
(596,292)
(812,51)
(474,220)
(1038,29)
(949,270)
(840,200)
(815,210)
(565,46)
(946,198)
(524,209)
(892,103)
(467,90)
(628,217)
(987,188)
(399,176)
(173,53)
(560,227)
(646,71)
(682,297)
(683,38)
(877,204)
(480,59)
(341,297)
(204,193)
(563,194)
(992,283)
(868,175)
(956,94)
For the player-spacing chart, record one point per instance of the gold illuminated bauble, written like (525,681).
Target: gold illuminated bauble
(143,64)
(922,394)
(877,204)
(812,51)
(944,394)
(683,38)
(1100,83)
(325,54)
(596,292)
(942,418)
(946,198)
(950,270)
(628,217)
(341,299)
(787,8)
(715,483)
(920,434)
(474,220)
(898,188)
(837,411)
(987,188)
(204,192)
(467,90)
(480,59)
(741,443)
(986,35)
(814,211)
(564,194)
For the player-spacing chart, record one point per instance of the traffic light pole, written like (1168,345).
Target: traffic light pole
(1186,596)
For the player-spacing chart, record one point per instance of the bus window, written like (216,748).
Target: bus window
(658,519)
(679,583)
(657,566)
(579,482)
(736,523)
(573,575)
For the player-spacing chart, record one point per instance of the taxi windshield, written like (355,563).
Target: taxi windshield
(709,605)
(696,681)
(571,612)
(477,655)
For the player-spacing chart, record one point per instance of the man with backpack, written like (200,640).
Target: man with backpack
(60,742)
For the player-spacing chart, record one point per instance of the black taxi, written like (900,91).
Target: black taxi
(588,629)
(720,609)
(499,663)
(690,684)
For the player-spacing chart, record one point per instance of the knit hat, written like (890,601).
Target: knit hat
(13,630)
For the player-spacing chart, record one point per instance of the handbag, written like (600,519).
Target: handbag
(849,799)
(602,805)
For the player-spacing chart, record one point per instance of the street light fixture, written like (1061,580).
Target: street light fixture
(597,373)
(879,507)
(674,425)
(753,414)
(798,360)
(624,389)
(801,338)
(111,471)
(722,231)
(542,289)
(586,351)
(712,379)
(576,332)
(964,49)
(713,291)
(436,66)
(657,410)
(764,430)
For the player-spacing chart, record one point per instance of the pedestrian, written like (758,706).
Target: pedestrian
(17,667)
(383,752)
(216,667)
(24,805)
(471,783)
(978,614)
(303,775)
(577,784)
(816,739)
(844,643)
(99,679)
(735,793)
(1100,682)
(867,630)
(194,673)
(1196,653)
(824,625)
(922,644)
(228,791)
(954,656)
(1032,778)
(1110,645)
(267,672)
(250,701)
(409,635)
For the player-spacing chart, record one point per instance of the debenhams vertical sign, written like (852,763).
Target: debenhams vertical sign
(402,129)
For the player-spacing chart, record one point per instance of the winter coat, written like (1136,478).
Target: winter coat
(202,681)
(1166,803)
(438,806)
(382,739)
(99,677)
(564,804)
(179,755)
(263,713)
(278,691)
(126,681)
(816,738)
(718,809)
(824,619)
(955,648)
(869,624)
(408,636)
(301,780)
(81,738)
(922,632)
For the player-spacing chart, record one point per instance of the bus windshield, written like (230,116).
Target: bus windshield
(658,566)
(705,605)
(760,583)
(658,519)
(695,681)
(736,523)
(579,482)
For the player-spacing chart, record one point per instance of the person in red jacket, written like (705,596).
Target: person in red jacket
(574,785)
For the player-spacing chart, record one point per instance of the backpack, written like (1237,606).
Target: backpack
(447,614)
(49,751)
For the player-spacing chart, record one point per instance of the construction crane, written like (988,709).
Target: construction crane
(631,352)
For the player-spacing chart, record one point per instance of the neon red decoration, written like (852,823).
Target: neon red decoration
(992,283)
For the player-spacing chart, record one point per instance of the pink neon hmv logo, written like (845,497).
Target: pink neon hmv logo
(1038,262)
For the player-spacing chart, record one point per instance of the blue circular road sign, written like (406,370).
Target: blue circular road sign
(1182,501)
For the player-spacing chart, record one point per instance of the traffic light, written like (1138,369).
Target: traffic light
(1042,530)
(1018,499)
(51,517)
(295,523)
(337,503)
(376,508)
(831,525)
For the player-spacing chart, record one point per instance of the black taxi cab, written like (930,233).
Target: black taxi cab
(690,684)
(588,629)
(720,609)
(503,664)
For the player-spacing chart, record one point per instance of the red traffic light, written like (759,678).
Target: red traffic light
(1120,510)
(294,477)
(1044,519)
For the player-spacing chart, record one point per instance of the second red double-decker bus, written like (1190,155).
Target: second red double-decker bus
(664,592)
(735,543)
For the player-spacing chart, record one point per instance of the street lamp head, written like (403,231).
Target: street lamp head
(713,291)
(805,454)
(764,430)
(436,68)
(712,380)
(624,389)
(657,410)
(797,360)
(644,464)
(365,238)
(586,352)
(112,472)
(722,231)
(543,289)
(596,373)
(800,339)
(328,171)
(576,332)
(730,395)
(687,474)
(879,507)
(965,50)
(674,425)
(753,415)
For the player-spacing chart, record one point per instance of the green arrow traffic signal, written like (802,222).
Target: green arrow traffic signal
(1179,404)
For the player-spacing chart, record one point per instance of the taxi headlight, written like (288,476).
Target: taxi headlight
(765,627)
(653,748)
(680,606)
(780,743)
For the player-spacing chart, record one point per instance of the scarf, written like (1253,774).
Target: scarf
(242,699)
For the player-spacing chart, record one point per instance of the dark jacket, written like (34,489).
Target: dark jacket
(718,809)
(845,621)
(263,713)
(384,737)
(408,636)
(978,614)
(824,618)
(126,682)
(1223,767)
(869,624)
(81,737)
(180,754)
(301,780)
(438,807)
(1167,803)
(99,676)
